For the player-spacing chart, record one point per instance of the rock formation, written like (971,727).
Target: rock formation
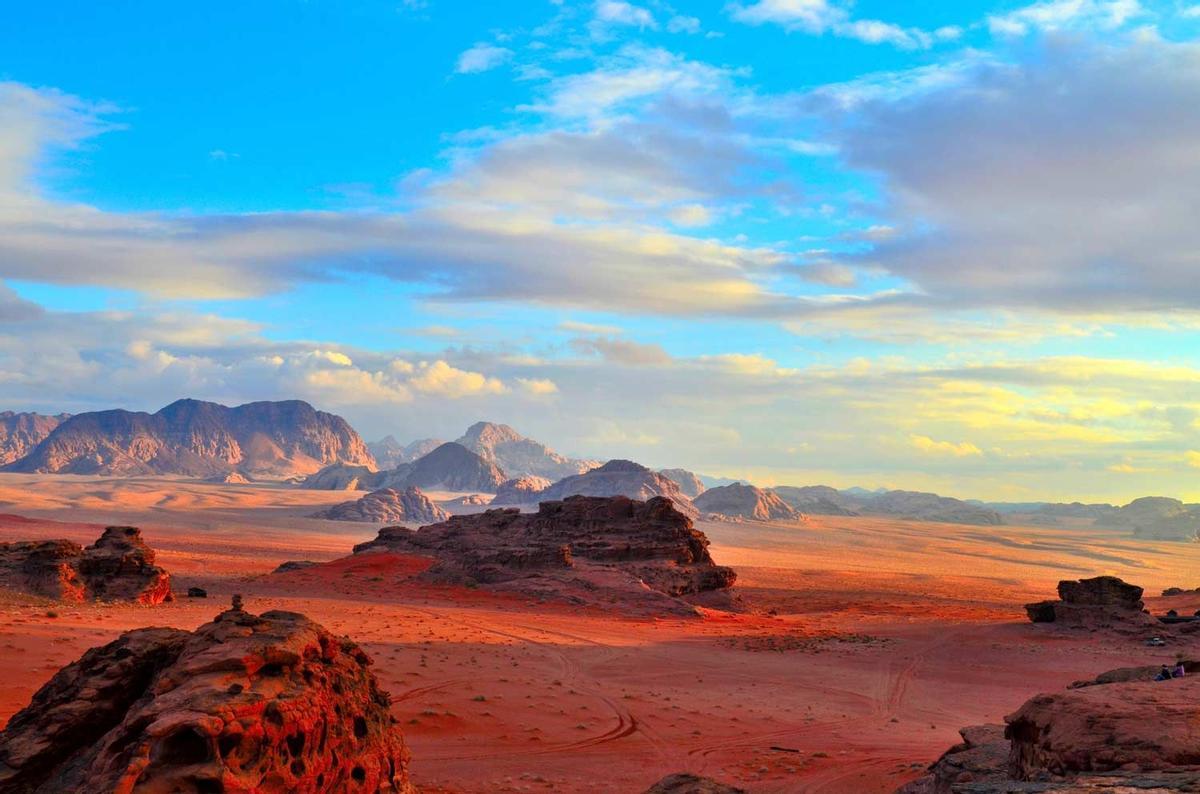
(199,439)
(521,491)
(341,477)
(581,548)
(689,484)
(21,432)
(1102,602)
(621,478)
(1157,518)
(684,783)
(1123,737)
(820,500)
(453,467)
(519,456)
(745,502)
(390,453)
(410,506)
(117,567)
(919,506)
(267,703)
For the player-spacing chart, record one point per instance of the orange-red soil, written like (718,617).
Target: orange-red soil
(886,637)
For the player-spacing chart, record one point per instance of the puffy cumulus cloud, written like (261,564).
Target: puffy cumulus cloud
(482,57)
(440,379)
(541,387)
(819,17)
(619,12)
(1064,181)
(932,447)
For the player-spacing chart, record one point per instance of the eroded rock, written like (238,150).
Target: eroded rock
(119,566)
(270,703)
(582,546)
(409,505)
(684,783)
(1100,602)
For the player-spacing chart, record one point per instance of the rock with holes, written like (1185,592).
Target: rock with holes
(246,703)
(117,567)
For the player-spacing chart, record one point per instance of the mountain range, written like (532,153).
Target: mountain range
(21,432)
(518,456)
(265,440)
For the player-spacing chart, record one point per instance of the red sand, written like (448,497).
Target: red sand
(888,636)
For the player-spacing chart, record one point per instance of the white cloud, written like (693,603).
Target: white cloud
(1059,14)
(482,57)
(818,17)
(618,12)
(683,24)
(929,446)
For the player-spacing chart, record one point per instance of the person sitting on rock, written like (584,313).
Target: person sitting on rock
(1179,671)
(1164,674)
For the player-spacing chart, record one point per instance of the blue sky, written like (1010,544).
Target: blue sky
(939,245)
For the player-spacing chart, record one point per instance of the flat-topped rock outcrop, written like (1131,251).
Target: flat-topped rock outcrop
(1100,602)
(119,566)
(579,548)
(410,505)
(270,703)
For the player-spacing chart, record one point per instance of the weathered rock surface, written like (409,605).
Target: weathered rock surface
(1122,737)
(684,783)
(581,548)
(119,566)
(521,491)
(21,432)
(689,484)
(390,453)
(981,757)
(387,505)
(519,456)
(270,703)
(199,439)
(746,502)
(1097,603)
(621,478)
(342,477)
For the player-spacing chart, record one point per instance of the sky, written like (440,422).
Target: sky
(947,246)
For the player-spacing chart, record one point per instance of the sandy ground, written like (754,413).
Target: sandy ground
(869,642)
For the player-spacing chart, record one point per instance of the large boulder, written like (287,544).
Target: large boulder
(981,757)
(387,505)
(119,566)
(1100,602)
(581,546)
(270,703)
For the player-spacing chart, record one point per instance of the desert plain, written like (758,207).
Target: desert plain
(860,647)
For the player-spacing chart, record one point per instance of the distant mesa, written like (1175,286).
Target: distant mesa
(265,440)
(819,500)
(244,703)
(470,500)
(620,478)
(1103,602)
(390,453)
(919,506)
(342,477)
(521,491)
(231,478)
(1124,736)
(1157,518)
(21,432)
(119,566)
(409,506)
(690,485)
(745,503)
(591,550)
(518,456)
